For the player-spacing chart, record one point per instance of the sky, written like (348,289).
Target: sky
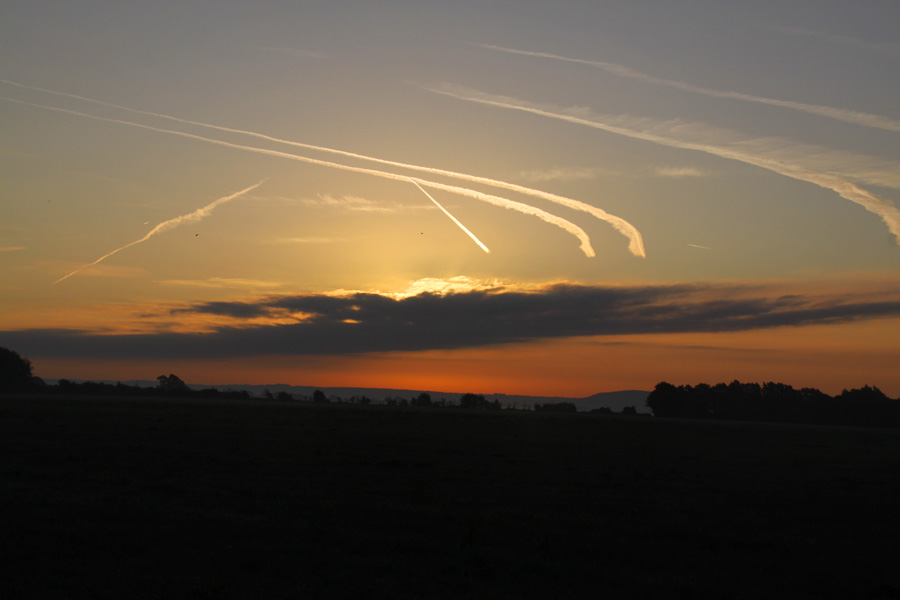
(494,197)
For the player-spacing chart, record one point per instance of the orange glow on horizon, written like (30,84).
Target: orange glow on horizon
(830,358)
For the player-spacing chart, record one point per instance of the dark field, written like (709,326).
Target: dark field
(159,498)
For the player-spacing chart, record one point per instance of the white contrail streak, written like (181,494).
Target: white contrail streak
(454,219)
(635,241)
(846,189)
(849,116)
(197,215)
(527,209)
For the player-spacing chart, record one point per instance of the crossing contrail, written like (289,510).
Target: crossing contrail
(635,241)
(527,209)
(197,215)
(454,219)
(840,114)
(651,133)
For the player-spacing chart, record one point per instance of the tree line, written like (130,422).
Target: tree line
(775,402)
(772,402)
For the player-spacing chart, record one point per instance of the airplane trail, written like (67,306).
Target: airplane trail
(846,189)
(527,209)
(635,241)
(454,219)
(862,119)
(197,215)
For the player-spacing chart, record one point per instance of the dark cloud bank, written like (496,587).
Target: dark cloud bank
(367,322)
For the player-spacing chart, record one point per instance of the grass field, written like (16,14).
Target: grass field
(164,498)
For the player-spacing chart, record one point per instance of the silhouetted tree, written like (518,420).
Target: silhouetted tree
(775,402)
(15,371)
(171,384)
(477,401)
(864,394)
(867,406)
(319,397)
(665,400)
(422,399)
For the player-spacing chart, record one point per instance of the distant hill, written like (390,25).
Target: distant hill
(614,401)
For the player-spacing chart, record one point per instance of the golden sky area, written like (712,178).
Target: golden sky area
(453,197)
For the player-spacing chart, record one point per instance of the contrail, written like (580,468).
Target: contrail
(840,114)
(454,219)
(527,209)
(846,189)
(197,215)
(635,241)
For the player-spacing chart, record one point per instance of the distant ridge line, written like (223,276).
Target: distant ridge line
(615,401)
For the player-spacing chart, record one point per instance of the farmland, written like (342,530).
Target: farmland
(153,497)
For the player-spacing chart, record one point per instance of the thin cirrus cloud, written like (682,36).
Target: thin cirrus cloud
(350,203)
(356,323)
(563,174)
(680,172)
(310,240)
(564,224)
(772,154)
(222,282)
(862,119)
(891,48)
(192,217)
(635,241)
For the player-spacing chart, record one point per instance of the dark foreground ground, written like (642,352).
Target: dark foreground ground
(127,498)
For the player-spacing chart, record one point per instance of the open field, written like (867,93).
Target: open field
(151,498)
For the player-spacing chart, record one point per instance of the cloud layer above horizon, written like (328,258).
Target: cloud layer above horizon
(365,322)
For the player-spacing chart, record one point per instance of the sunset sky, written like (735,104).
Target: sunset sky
(547,198)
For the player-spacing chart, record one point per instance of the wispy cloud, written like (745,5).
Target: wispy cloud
(350,203)
(310,240)
(782,157)
(635,242)
(891,48)
(564,224)
(840,114)
(563,174)
(222,282)
(11,248)
(115,272)
(680,172)
(192,217)
(361,322)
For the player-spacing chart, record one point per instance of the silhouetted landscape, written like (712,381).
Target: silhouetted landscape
(115,491)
